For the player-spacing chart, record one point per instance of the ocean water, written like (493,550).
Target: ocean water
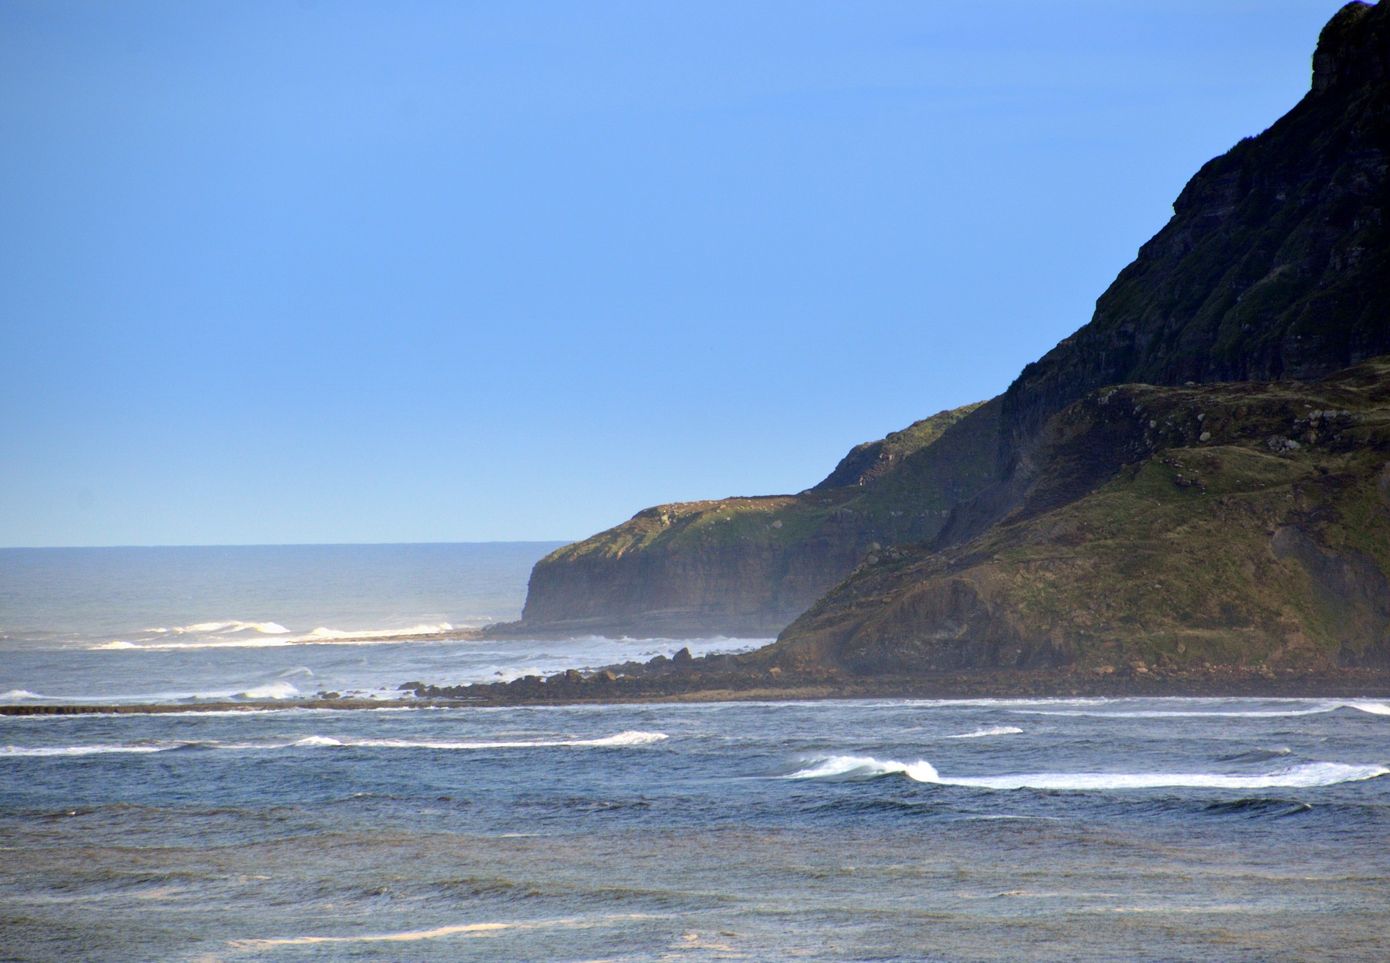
(1086,829)
(190,624)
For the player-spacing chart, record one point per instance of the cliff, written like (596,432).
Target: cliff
(748,566)
(1242,524)
(1135,531)
(1269,275)
(1274,262)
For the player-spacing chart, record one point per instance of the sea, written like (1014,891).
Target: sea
(1215,829)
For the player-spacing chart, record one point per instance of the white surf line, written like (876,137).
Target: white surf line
(1361,705)
(989,731)
(439,932)
(621,740)
(1307,776)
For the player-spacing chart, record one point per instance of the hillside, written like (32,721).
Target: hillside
(1242,524)
(748,566)
(1270,275)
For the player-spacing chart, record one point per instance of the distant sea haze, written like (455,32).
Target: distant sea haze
(188,624)
(87,595)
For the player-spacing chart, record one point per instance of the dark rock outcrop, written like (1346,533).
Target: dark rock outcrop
(1273,264)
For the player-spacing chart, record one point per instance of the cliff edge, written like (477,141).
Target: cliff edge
(1130,498)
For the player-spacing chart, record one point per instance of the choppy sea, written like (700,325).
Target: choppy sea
(1077,829)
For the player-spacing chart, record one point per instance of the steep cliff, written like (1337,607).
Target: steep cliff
(1273,264)
(1231,524)
(1106,537)
(1271,269)
(748,566)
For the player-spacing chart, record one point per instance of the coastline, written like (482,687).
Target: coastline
(598,690)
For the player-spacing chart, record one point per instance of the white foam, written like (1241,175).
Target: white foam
(439,932)
(18,695)
(272,690)
(225,626)
(89,750)
(246,643)
(628,738)
(618,740)
(1374,708)
(323,633)
(989,731)
(1183,713)
(1306,776)
(831,766)
(266,635)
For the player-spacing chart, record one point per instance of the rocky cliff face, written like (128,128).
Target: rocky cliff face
(1036,529)
(1272,266)
(1242,524)
(748,566)
(1274,262)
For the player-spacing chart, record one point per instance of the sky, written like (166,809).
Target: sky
(276,272)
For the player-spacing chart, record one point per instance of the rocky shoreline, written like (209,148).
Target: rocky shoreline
(716,679)
(746,677)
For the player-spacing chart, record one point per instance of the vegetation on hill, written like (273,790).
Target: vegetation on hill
(1197,477)
(1231,524)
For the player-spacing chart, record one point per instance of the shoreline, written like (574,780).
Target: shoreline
(600,691)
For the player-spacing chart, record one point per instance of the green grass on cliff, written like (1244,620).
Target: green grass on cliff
(848,513)
(1258,534)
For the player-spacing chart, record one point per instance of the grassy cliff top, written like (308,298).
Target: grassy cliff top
(775,520)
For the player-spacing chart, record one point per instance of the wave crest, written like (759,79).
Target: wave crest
(1360,705)
(19,695)
(1306,776)
(271,690)
(989,731)
(264,635)
(618,740)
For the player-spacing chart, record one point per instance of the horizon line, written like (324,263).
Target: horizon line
(494,541)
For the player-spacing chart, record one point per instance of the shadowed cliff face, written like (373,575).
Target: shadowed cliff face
(1272,266)
(1243,524)
(1271,269)
(1274,262)
(748,566)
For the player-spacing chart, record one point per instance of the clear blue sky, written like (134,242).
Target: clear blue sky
(408,271)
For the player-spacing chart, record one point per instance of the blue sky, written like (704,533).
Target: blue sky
(335,272)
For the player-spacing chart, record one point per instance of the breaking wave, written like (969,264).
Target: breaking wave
(1372,708)
(628,738)
(439,932)
(1306,776)
(989,731)
(18,695)
(265,635)
(272,690)
(325,634)
(91,750)
(228,626)
(618,740)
